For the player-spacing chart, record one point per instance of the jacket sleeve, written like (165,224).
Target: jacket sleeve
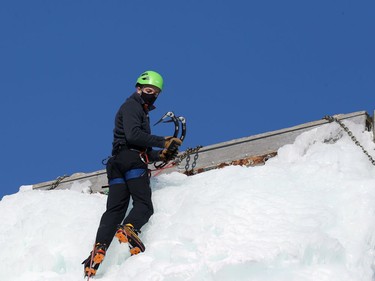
(132,122)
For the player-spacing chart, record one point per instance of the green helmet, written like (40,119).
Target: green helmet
(150,78)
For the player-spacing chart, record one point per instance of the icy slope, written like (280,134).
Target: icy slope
(308,214)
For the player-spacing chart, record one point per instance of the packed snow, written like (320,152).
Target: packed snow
(308,214)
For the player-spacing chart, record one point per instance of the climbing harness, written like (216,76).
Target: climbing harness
(144,157)
(351,135)
(105,160)
(129,175)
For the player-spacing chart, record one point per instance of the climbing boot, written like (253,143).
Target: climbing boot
(92,263)
(127,234)
(121,234)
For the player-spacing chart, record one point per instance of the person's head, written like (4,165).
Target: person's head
(149,85)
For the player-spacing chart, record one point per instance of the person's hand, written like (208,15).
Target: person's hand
(167,155)
(172,143)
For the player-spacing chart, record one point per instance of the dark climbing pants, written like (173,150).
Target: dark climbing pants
(120,192)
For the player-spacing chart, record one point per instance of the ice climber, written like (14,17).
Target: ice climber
(127,171)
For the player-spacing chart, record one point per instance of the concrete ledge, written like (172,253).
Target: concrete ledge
(220,154)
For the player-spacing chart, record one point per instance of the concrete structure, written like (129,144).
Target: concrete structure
(253,150)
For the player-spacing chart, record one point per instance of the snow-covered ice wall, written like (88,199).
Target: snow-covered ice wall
(307,214)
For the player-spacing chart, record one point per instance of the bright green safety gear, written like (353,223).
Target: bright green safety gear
(150,78)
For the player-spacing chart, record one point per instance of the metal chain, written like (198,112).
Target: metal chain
(196,156)
(186,155)
(187,163)
(57,182)
(187,152)
(351,135)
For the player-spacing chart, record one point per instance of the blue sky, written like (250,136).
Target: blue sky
(232,68)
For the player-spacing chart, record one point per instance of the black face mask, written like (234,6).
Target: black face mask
(148,99)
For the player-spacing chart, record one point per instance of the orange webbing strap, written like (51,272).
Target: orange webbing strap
(91,260)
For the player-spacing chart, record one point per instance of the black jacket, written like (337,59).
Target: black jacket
(132,128)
